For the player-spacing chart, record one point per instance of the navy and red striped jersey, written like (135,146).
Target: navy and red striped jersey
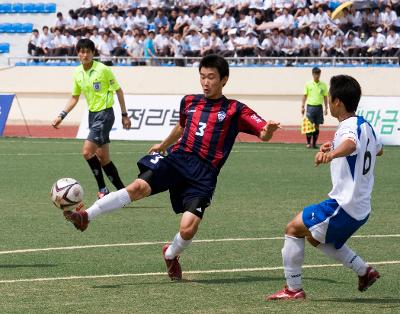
(210,127)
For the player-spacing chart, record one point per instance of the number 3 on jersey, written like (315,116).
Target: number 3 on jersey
(202,126)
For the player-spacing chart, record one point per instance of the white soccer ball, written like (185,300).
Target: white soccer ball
(66,192)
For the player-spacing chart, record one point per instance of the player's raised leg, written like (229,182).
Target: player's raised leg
(110,202)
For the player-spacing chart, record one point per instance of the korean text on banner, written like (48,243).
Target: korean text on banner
(152,117)
(383,113)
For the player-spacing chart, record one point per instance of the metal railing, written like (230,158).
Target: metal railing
(233,61)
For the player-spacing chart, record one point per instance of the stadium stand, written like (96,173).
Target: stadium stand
(251,33)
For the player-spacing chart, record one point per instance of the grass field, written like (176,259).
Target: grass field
(260,188)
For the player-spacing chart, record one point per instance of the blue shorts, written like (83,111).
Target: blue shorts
(191,182)
(100,125)
(329,223)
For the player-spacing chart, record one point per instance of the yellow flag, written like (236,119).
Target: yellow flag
(307,126)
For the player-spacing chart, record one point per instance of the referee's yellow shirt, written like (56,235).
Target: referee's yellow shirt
(315,92)
(98,84)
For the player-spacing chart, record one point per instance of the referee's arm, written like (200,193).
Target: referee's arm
(303,104)
(70,105)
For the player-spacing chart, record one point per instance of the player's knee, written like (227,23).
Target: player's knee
(291,229)
(87,154)
(138,189)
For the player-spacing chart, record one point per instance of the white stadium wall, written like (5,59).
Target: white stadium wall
(273,92)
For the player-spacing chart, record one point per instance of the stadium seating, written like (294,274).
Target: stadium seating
(29,7)
(4,47)
(16,27)
(5,7)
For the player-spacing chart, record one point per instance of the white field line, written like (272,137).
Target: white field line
(235,151)
(190,272)
(66,248)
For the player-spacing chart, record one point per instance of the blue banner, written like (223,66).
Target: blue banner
(5,106)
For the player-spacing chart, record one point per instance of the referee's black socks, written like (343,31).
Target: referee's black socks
(112,174)
(315,137)
(94,164)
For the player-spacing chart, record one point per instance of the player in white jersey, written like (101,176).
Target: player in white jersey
(330,224)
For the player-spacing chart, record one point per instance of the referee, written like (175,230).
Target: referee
(315,92)
(96,81)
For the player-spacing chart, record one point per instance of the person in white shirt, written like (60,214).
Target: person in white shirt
(328,43)
(117,22)
(352,45)
(250,46)
(303,44)
(86,7)
(91,21)
(105,21)
(207,19)
(129,21)
(45,41)
(230,44)
(392,46)
(33,44)
(356,18)
(266,47)
(216,44)
(315,45)
(388,18)
(287,19)
(140,20)
(244,21)
(306,19)
(177,49)
(375,44)
(194,19)
(60,22)
(96,36)
(181,21)
(161,43)
(289,47)
(227,23)
(105,48)
(322,18)
(57,44)
(328,225)
(135,50)
(192,39)
(205,42)
(69,42)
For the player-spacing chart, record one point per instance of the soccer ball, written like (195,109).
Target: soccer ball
(66,192)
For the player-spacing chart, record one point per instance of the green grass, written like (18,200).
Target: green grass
(260,189)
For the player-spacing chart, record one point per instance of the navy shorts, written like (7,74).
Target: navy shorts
(191,182)
(329,223)
(100,124)
(315,114)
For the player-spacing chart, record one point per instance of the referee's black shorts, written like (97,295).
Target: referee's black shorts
(100,124)
(315,114)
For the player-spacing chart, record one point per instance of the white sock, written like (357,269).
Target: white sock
(177,246)
(293,257)
(346,256)
(109,202)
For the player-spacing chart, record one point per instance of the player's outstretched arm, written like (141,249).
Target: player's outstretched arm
(172,138)
(70,105)
(346,148)
(268,130)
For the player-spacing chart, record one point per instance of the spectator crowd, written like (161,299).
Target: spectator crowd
(146,30)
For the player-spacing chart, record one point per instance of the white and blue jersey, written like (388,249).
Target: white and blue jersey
(353,176)
(336,219)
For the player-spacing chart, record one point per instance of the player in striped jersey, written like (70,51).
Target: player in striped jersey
(197,148)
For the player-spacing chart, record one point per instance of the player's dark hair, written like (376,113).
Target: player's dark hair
(347,90)
(215,61)
(85,43)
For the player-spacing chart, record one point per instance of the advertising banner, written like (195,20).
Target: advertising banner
(383,113)
(152,118)
(5,106)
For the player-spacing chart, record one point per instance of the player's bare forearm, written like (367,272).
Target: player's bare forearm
(303,104)
(344,149)
(268,130)
(121,100)
(172,138)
